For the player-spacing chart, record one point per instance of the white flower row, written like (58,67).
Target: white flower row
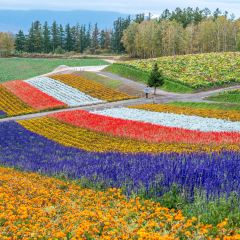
(173,120)
(62,92)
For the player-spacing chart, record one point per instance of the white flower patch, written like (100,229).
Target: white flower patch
(62,92)
(173,120)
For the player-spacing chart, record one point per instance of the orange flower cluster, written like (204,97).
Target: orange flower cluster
(37,207)
(92,88)
(12,105)
(232,115)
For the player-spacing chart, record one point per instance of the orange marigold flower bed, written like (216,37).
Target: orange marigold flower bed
(34,206)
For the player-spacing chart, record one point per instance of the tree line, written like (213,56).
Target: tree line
(181,31)
(78,38)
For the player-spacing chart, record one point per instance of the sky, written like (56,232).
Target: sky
(124,6)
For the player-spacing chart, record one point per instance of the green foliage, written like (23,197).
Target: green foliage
(227,96)
(128,72)
(135,74)
(156,78)
(23,68)
(114,84)
(197,71)
(217,106)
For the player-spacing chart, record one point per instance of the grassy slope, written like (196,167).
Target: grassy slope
(138,75)
(114,84)
(22,68)
(220,106)
(228,96)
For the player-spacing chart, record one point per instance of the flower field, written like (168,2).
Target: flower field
(41,207)
(44,93)
(11,105)
(92,88)
(196,71)
(62,92)
(146,150)
(32,96)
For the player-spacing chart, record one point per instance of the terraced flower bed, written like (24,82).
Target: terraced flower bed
(197,71)
(44,93)
(184,161)
(92,88)
(11,104)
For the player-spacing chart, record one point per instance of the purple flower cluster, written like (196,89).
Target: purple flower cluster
(2,114)
(215,173)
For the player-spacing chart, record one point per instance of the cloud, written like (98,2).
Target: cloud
(126,6)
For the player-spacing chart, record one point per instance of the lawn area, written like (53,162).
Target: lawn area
(142,76)
(227,96)
(112,83)
(23,68)
(203,105)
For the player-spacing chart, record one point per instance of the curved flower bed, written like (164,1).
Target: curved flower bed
(32,96)
(62,92)
(173,120)
(88,140)
(92,88)
(12,105)
(144,131)
(232,115)
(215,173)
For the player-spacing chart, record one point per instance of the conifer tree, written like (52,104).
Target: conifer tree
(156,78)
(20,41)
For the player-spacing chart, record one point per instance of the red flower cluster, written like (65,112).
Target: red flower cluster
(32,96)
(144,131)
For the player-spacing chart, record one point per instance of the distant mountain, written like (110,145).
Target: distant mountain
(14,20)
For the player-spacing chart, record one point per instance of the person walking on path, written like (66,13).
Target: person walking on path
(147,91)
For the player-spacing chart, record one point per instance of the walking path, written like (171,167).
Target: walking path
(161,97)
(176,96)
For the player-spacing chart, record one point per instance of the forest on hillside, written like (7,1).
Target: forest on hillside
(183,31)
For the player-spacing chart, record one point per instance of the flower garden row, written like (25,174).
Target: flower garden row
(33,206)
(43,93)
(137,150)
(196,71)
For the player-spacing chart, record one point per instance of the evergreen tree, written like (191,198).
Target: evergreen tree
(102,39)
(61,36)
(20,41)
(46,38)
(116,41)
(55,36)
(156,78)
(69,38)
(30,40)
(95,39)
(139,18)
(38,38)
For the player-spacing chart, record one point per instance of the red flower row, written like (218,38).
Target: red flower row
(144,131)
(32,96)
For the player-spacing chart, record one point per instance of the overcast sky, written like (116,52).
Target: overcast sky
(124,6)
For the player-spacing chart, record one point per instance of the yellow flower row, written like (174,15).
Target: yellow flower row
(38,207)
(88,140)
(212,113)
(92,88)
(11,104)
